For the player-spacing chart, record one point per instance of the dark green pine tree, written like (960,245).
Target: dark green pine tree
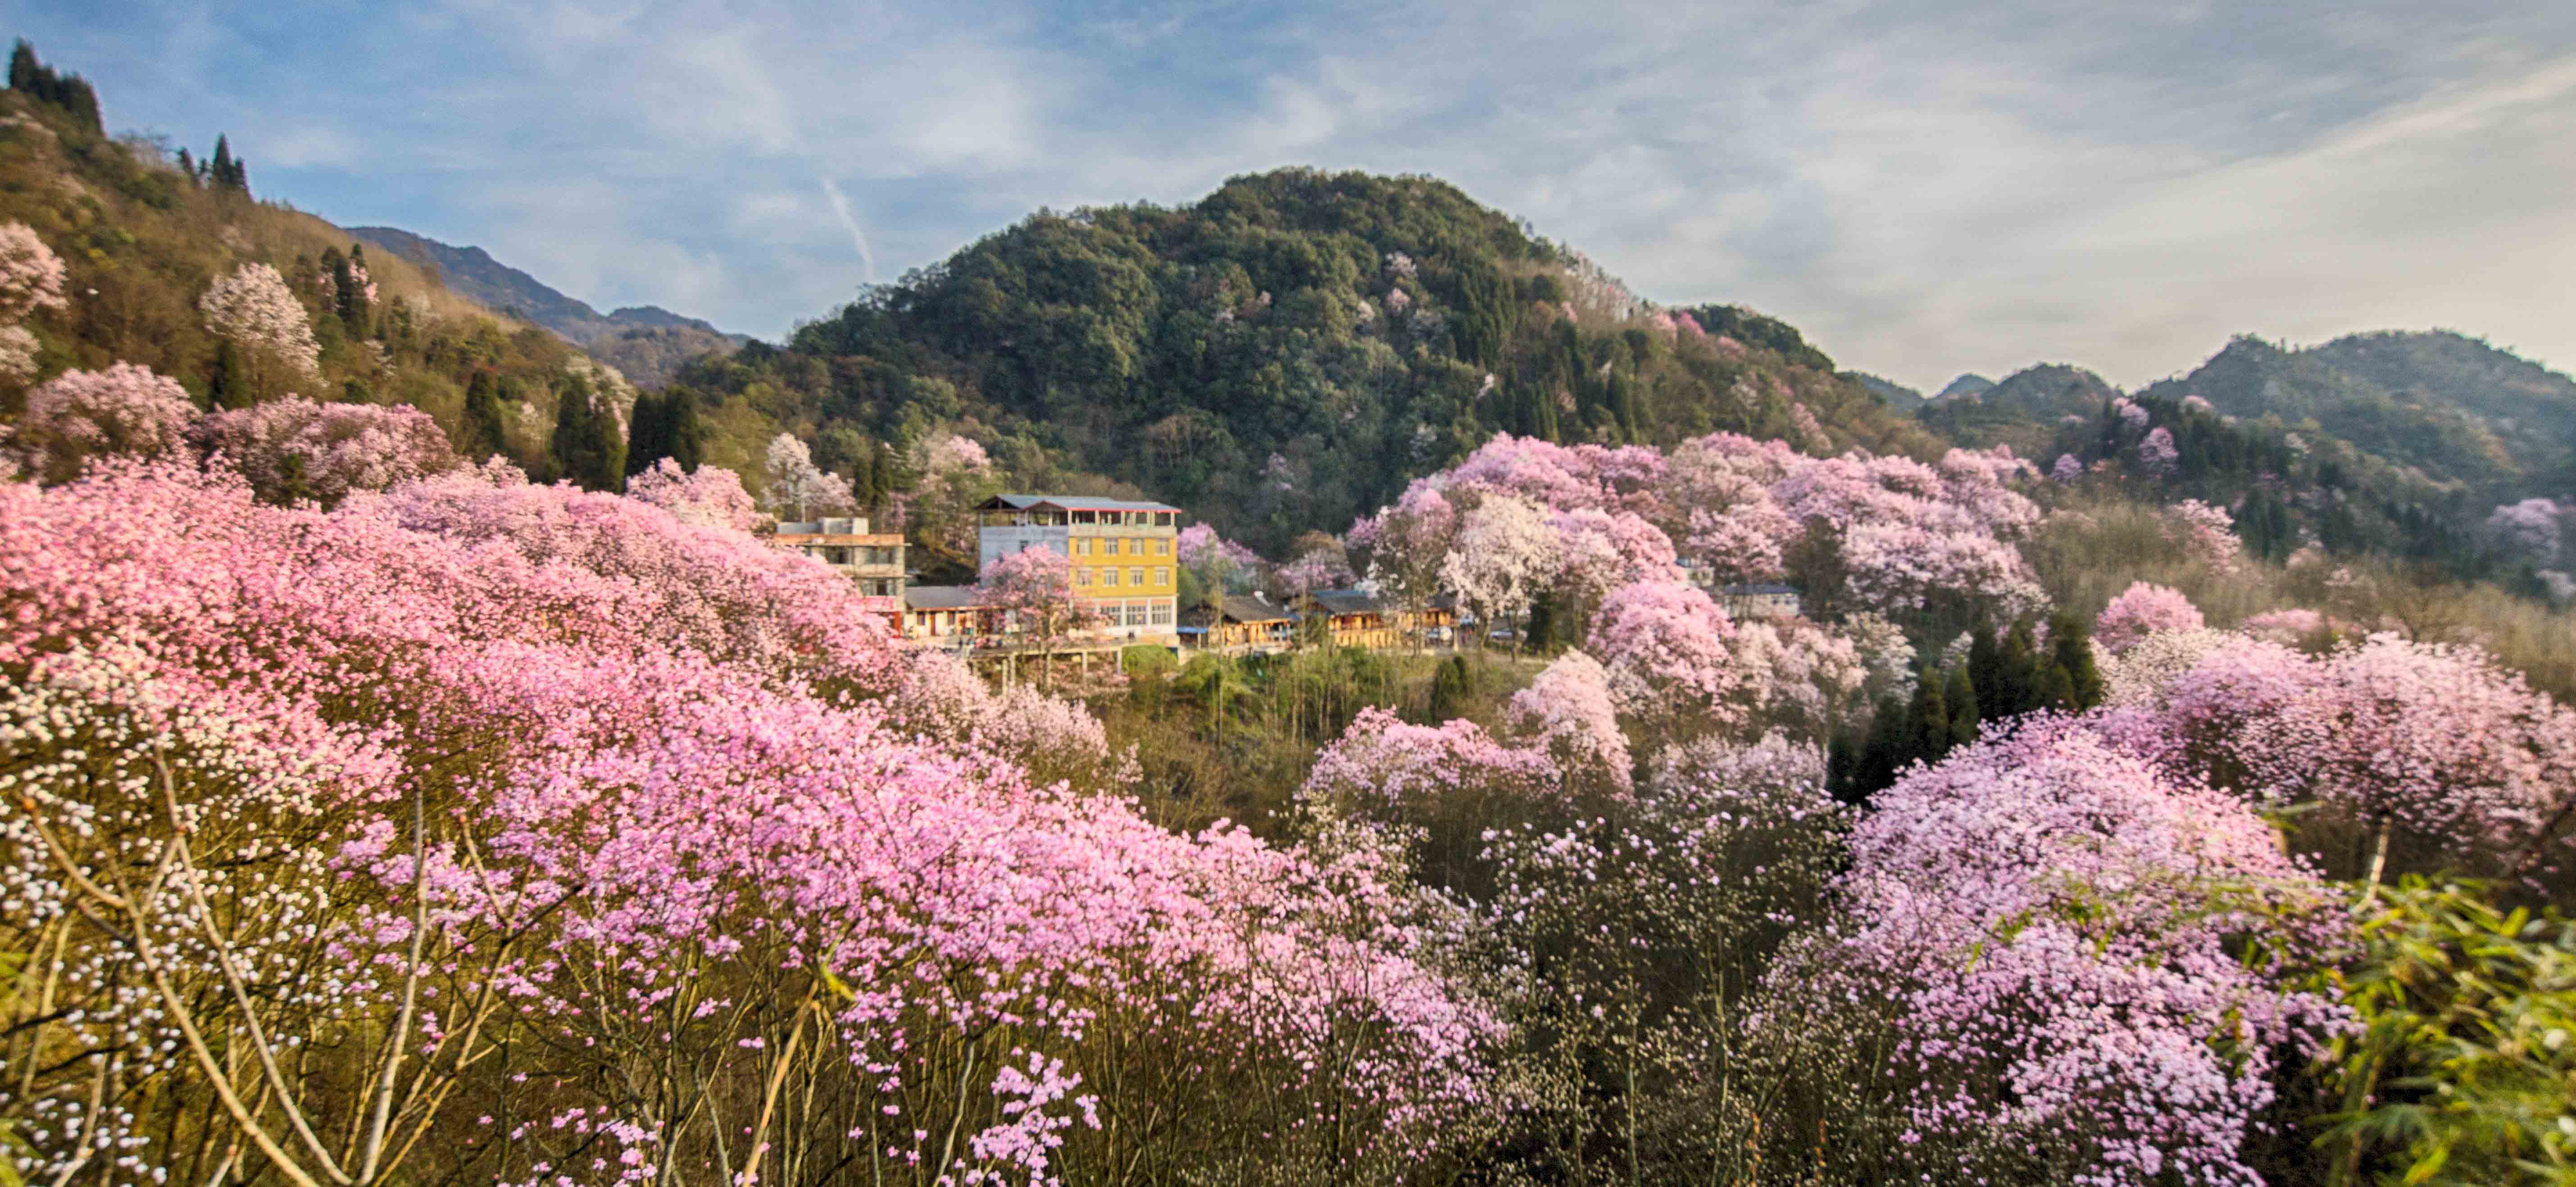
(187,166)
(2056,688)
(1961,697)
(586,448)
(1449,684)
(1985,672)
(881,474)
(1927,724)
(225,171)
(228,380)
(1883,755)
(2020,692)
(24,69)
(1842,764)
(479,434)
(2072,644)
(648,433)
(348,298)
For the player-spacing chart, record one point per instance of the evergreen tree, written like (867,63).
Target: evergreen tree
(1961,697)
(480,435)
(348,299)
(187,166)
(648,433)
(586,447)
(2020,692)
(2057,689)
(1450,683)
(23,68)
(1985,673)
(1541,635)
(881,474)
(2073,646)
(1927,725)
(226,172)
(228,380)
(1842,765)
(32,78)
(1883,755)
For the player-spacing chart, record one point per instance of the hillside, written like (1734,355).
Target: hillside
(143,239)
(2023,411)
(1285,353)
(2458,411)
(646,342)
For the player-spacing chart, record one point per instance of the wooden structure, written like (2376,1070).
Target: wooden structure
(1240,625)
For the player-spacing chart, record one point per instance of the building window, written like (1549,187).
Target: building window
(1082,547)
(1109,576)
(1083,577)
(1136,613)
(1163,576)
(1162,614)
(1162,547)
(1136,577)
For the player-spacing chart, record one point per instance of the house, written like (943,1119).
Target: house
(1121,549)
(1435,622)
(873,560)
(1240,624)
(1765,600)
(949,615)
(1357,618)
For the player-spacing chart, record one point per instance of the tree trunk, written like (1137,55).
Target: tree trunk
(2379,855)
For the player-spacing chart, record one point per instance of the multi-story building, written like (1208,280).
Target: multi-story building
(873,560)
(1121,550)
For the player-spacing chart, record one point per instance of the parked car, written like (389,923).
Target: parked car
(1438,635)
(1504,634)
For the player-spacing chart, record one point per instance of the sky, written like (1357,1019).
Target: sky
(1924,188)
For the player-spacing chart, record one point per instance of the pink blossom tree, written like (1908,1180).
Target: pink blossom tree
(2209,534)
(1033,589)
(2157,455)
(253,307)
(2530,528)
(31,275)
(1569,710)
(710,496)
(1502,557)
(123,410)
(1665,646)
(1990,894)
(2142,610)
(294,449)
(797,485)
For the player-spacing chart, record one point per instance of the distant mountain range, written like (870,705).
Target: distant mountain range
(647,342)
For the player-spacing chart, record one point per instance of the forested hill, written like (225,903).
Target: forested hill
(2456,410)
(1285,353)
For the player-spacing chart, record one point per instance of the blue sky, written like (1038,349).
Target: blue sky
(1925,188)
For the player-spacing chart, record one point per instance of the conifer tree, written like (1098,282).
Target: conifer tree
(2073,647)
(480,434)
(1883,755)
(228,380)
(23,68)
(187,166)
(586,448)
(1928,723)
(2020,692)
(348,293)
(1985,673)
(1449,685)
(1961,697)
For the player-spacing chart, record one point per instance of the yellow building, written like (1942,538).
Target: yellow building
(1122,551)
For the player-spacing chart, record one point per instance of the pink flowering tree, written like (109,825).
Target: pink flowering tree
(1666,648)
(31,275)
(294,449)
(2528,529)
(1404,548)
(253,307)
(2208,533)
(418,839)
(2050,867)
(2067,471)
(710,496)
(1503,556)
(124,410)
(2157,456)
(1033,590)
(1568,708)
(954,474)
(2142,610)
(797,487)
(1320,563)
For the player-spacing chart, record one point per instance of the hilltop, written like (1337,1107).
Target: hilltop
(1288,351)
(646,342)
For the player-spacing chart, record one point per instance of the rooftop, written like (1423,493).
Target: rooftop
(939,597)
(1072,503)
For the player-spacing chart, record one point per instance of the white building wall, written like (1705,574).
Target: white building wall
(993,544)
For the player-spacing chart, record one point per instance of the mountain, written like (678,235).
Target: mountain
(1897,396)
(1288,351)
(2453,409)
(2023,411)
(647,342)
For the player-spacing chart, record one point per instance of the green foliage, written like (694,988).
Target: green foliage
(40,82)
(666,424)
(586,448)
(2463,1069)
(1453,685)
(1359,330)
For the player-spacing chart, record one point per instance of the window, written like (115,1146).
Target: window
(1132,546)
(1162,548)
(1109,576)
(1162,614)
(1136,577)
(1163,576)
(1083,577)
(1136,613)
